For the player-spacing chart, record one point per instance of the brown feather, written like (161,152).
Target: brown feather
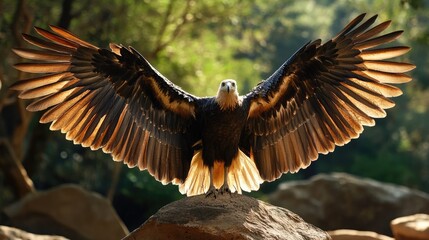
(385,77)
(55,38)
(66,120)
(312,139)
(46,45)
(43,67)
(55,113)
(48,101)
(142,162)
(350,25)
(43,90)
(390,67)
(36,82)
(44,55)
(112,145)
(373,31)
(374,87)
(373,42)
(384,53)
(133,143)
(67,35)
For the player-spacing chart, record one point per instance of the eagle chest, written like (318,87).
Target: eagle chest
(223,127)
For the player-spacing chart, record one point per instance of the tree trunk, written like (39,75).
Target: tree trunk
(14,171)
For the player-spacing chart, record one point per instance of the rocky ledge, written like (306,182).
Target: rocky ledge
(225,217)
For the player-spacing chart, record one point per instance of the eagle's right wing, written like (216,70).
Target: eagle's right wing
(110,99)
(322,97)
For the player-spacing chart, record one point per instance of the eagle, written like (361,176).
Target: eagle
(114,99)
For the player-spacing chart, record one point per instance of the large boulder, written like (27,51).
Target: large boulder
(68,211)
(225,217)
(342,201)
(9,233)
(414,227)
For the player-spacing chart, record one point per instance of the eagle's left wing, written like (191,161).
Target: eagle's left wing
(322,97)
(110,99)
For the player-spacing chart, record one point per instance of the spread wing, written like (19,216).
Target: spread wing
(110,99)
(322,97)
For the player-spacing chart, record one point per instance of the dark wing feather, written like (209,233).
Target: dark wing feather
(322,97)
(110,99)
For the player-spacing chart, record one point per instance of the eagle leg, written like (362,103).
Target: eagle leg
(225,188)
(212,189)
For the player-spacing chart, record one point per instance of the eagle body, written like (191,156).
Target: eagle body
(115,100)
(220,126)
(221,131)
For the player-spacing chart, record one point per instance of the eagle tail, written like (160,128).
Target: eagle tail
(243,175)
(198,180)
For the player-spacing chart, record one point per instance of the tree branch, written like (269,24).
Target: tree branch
(14,170)
(115,179)
(66,14)
(183,21)
(21,21)
(165,23)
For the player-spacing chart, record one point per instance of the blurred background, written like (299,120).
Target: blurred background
(196,44)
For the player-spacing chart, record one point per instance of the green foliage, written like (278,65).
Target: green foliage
(196,44)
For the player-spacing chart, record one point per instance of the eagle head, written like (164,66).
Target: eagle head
(227,95)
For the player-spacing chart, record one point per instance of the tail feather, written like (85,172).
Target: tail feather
(198,180)
(242,175)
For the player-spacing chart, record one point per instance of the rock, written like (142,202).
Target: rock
(347,234)
(414,227)
(342,201)
(225,217)
(9,233)
(68,211)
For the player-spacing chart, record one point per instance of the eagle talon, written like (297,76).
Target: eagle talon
(212,191)
(224,189)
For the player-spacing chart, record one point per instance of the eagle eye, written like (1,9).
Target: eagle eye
(223,84)
(233,84)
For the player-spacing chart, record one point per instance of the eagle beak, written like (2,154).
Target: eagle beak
(228,86)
